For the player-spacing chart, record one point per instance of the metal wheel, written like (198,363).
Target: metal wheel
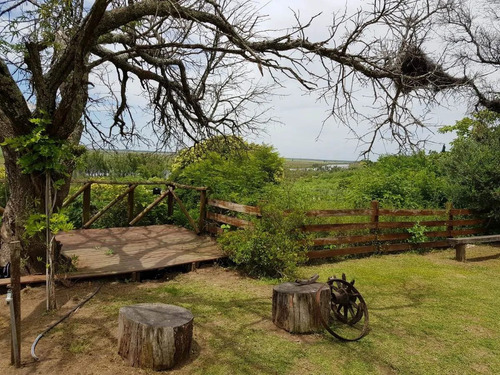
(348,314)
(345,303)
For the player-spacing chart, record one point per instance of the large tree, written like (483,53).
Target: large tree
(194,61)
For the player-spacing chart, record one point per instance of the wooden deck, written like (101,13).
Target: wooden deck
(114,251)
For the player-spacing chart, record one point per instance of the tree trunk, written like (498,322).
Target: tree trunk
(295,307)
(154,335)
(26,198)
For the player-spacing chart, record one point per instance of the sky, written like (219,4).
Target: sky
(303,132)
(300,130)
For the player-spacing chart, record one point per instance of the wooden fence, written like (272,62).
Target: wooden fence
(357,231)
(332,232)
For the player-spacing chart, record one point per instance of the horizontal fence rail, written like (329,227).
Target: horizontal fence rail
(225,213)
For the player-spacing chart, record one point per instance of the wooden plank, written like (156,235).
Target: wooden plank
(149,207)
(433,223)
(460,252)
(466,232)
(449,228)
(339,212)
(76,194)
(251,210)
(337,227)
(86,203)
(462,211)
(169,183)
(387,212)
(234,221)
(184,210)
(170,205)
(203,211)
(15,281)
(344,240)
(477,239)
(387,237)
(108,206)
(345,251)
(468,222)
(130,205)
(413,246)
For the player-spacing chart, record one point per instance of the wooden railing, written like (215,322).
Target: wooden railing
(346,231)
(357,231)
(133,218)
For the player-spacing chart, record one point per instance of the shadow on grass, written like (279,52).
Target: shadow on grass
(482,259)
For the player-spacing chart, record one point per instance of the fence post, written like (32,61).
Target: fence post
(449,227)
(130,204)
(86,205)
(375,220)
(203,210)
(15,280)
(170,203)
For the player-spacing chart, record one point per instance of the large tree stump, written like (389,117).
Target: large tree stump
(154,335)
(294,307)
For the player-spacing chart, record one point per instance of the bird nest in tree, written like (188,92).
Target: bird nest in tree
(417,71)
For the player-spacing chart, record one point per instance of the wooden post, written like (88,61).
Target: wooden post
(86,205)
(15,281)
(108,206)
(130,204)
(184,210)
(460,251)
(170,204)
(203,211)
(449,228)
(76,194)
(375,219)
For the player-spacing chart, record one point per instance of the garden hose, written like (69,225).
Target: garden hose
(33,347)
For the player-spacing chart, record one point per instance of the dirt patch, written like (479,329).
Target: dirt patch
(86,343)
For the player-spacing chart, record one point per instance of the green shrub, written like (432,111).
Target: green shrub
(473,164)
(273,247)
(417,233)
(231,168)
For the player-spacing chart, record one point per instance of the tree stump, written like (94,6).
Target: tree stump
(294,307)
(154,335)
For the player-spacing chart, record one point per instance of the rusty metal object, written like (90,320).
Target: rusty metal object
(347,307)
(308,281)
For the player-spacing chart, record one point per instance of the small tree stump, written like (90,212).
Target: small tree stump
(154,335)
(294,307)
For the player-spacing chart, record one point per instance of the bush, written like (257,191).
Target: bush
(473,164)
(231,168)
(274,247)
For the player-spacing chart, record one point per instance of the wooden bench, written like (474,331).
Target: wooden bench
(460,243)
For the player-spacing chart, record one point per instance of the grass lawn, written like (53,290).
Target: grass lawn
(429,315)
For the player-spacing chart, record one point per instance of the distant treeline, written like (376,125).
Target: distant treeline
(122,164)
